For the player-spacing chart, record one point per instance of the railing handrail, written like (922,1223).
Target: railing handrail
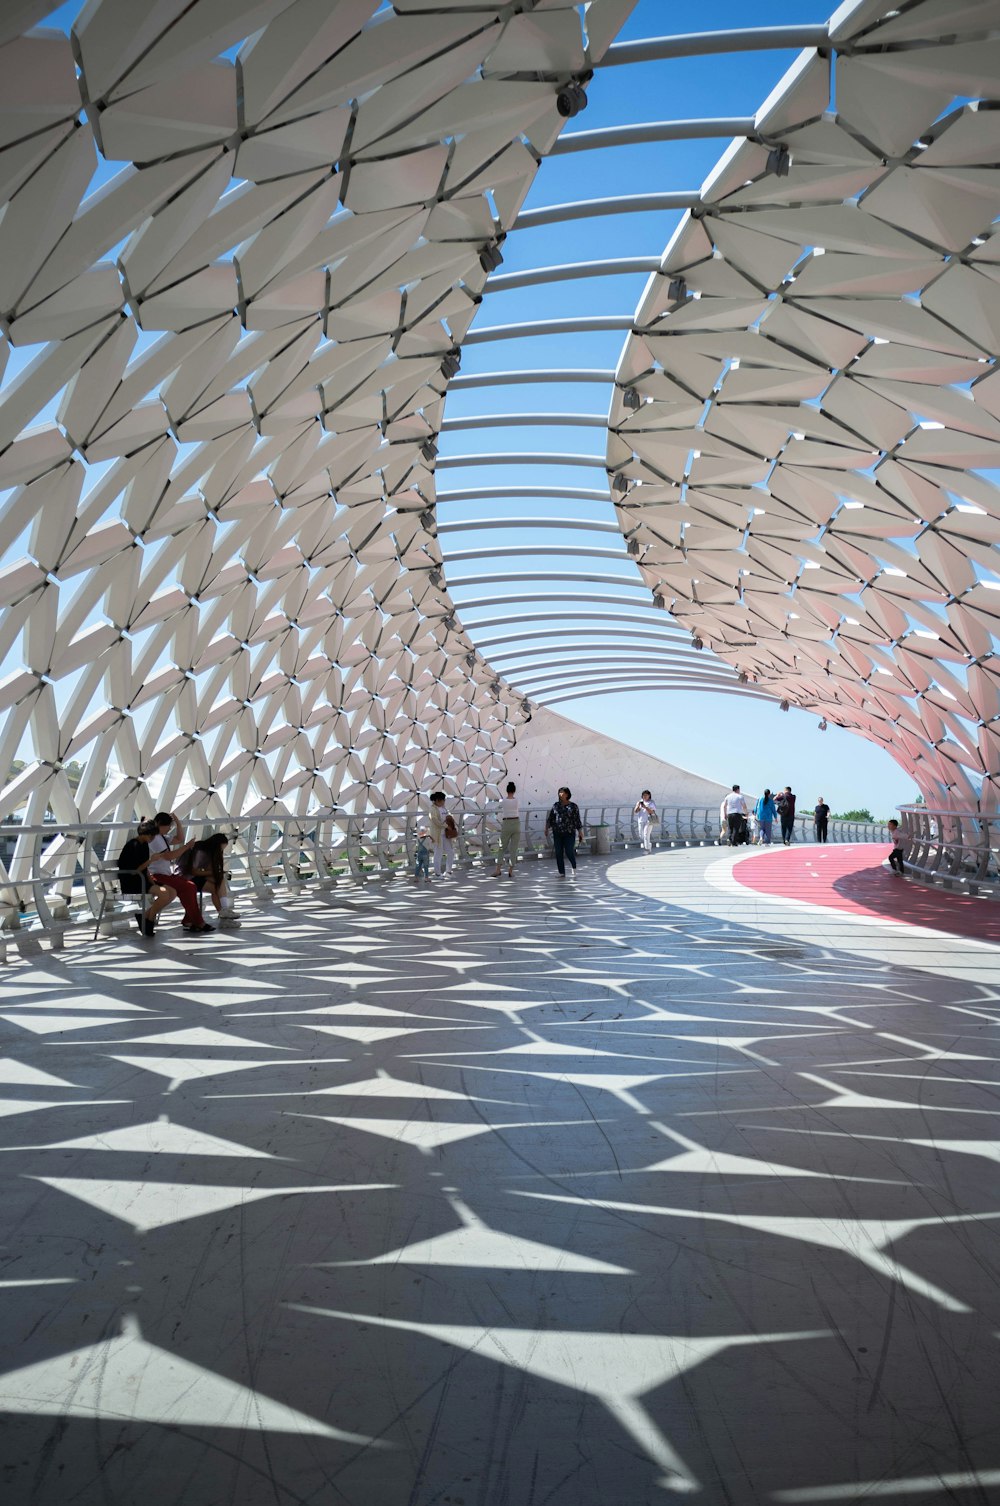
(73,828)
(958,848)
(56,873)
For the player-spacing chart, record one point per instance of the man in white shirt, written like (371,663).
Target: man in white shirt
(510,830)
(160,868)
(736,810)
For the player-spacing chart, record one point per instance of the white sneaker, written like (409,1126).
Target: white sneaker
(230,922)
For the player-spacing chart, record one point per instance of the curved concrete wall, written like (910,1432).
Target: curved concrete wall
(551,750)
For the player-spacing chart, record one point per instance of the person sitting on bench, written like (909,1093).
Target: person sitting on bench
(205,864)
(132,875)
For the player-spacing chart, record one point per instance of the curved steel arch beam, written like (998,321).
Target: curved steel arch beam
(527,602)
(607,650)
(548,420)
(695,44)
(527,377)
(651,131)
(579,525)
(659,684)
(543,457)
(538,577)
(666,641)
(618,266)
(683,654)
(588,209)
(681,678)
(493,493)
(665,633)
(586,324)
(561,551)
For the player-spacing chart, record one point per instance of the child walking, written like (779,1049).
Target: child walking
(422,859)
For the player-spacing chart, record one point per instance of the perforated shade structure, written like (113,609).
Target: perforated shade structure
(242,249)
(809,465)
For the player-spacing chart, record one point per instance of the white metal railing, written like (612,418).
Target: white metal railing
(960,849)
(53,876)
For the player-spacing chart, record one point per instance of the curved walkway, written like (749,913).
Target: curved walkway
(858,880)
(860,908)
(506,1193)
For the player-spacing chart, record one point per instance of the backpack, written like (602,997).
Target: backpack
(134,853)
(450,829)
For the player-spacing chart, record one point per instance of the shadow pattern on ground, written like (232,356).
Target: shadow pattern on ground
(504,1194)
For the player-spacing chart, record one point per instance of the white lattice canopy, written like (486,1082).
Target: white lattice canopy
(240,247)
(809,468)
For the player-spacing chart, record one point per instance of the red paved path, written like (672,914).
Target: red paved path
(853,878)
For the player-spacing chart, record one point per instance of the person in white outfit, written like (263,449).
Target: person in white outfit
(645,814)
(510,831)
(443,834)
(737,811)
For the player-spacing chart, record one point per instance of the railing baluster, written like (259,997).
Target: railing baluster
(52,878)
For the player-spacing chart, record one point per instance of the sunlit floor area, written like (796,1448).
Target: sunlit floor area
(529,1192)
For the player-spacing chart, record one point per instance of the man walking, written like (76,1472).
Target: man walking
(736,816)
(786,810)
(563,821)
(821,816)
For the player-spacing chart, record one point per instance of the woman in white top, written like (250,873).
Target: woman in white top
(510,831)
(645,814)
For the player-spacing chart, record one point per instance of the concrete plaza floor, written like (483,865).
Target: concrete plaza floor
(505,1193)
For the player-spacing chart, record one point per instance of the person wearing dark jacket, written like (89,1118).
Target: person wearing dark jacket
(563,821)
(786,810)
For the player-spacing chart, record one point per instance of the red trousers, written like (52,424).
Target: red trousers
(186,892)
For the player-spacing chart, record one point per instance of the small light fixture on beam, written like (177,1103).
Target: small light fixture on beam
(572,97)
